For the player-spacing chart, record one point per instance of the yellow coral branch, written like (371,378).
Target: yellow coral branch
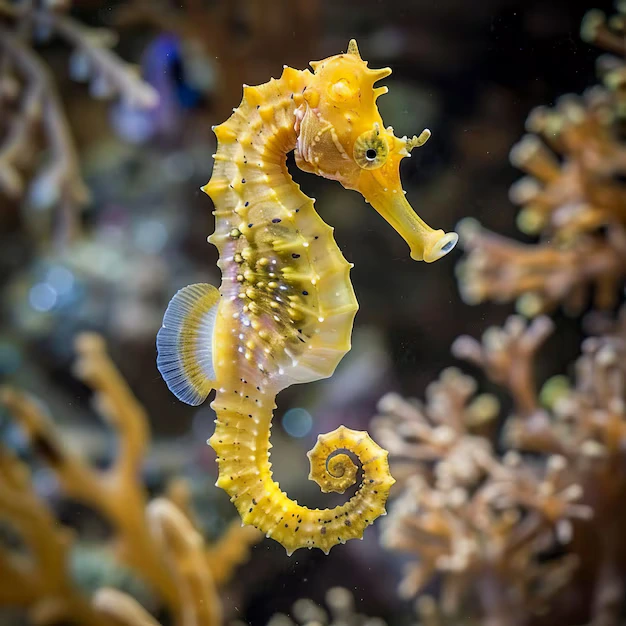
(184,549)
(121,608)
(77,478)
(117,493)
(231,549)
(116,402)
(39,582)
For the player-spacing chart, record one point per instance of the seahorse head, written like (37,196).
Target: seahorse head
(341,136)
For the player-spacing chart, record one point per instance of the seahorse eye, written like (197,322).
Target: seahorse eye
(371,150)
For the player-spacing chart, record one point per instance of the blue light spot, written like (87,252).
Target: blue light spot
(297,422)
(60,279)
(42,297)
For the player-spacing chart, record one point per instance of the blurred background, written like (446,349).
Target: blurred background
(102,220)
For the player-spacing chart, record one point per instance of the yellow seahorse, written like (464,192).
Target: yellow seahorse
(285,309)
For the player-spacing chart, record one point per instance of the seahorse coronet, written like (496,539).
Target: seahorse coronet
(286,306)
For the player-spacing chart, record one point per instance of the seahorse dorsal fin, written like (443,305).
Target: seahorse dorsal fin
(353,48)
(185,343)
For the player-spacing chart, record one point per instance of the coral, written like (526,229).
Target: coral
(507,356)
(438,432)
(157,540)
(34,572)
(32,104)
(479,522)
(573,198)
(491,526)
(183,548)
(585,420)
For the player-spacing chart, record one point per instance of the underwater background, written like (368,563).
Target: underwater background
(511,468)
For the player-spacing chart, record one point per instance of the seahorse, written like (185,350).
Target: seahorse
(285,307)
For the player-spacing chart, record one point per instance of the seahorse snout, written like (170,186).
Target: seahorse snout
(382,189)
(442,244)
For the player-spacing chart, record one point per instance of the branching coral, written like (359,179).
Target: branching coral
(538,514)
(486,527)
(34,572)
(507,356)
(583,420)
(439,432)
(579,420)
(487,544)
(482,525)
(31,106)
(574,201)
(162,548)
(587,424)
(183,548)
(609,35)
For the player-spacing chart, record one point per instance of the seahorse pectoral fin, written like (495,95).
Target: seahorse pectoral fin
(185,343)
(384,192)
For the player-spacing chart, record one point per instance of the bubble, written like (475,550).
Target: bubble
(42,297)
(297,422)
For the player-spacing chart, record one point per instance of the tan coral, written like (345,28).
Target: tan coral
(565,439)
(483,534)
(539,277)
(439,430)
(579,419)
(486,542)
(521,505)
(573,198)
(507,356)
